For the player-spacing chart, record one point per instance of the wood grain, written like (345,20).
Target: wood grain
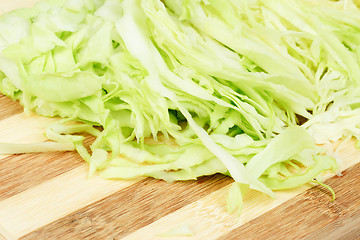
(117,215)
(23,128)
(12,107)
(208,217)
(21,172)
(54,199)
(316,216)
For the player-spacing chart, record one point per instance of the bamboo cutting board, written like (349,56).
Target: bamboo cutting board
(49,196)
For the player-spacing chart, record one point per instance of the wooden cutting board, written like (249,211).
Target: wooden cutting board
(49,196)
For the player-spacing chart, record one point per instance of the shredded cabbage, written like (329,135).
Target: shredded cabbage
(178,89)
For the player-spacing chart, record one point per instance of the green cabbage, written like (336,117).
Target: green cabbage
(178,89)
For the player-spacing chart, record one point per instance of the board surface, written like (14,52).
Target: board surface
(49,196)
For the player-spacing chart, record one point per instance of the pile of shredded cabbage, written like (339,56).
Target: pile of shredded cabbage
(178,89)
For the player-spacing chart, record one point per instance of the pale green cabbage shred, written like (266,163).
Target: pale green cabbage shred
(179,89)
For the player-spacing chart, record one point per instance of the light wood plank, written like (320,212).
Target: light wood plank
(7,6)
(24,128)
(47,202)
(310,215)
(129,209)
(22,172)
